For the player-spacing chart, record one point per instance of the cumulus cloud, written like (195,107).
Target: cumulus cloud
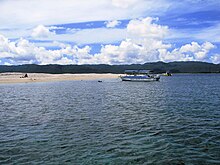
(200,52)
(215,58)
(146,28)
(188,52)
(22,51)
(144,43)
(112,24)
(41,32)
(144,40)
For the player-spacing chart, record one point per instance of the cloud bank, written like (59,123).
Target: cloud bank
(26,13)
(41,32)
(144,42)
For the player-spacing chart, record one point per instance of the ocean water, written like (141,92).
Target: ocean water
(173,121)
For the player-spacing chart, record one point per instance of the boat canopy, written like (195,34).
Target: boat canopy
(138,71)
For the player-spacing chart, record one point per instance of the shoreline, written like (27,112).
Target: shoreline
(15,77)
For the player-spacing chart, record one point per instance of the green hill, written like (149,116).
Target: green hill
(157,67)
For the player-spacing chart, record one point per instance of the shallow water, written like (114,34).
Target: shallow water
(174,121)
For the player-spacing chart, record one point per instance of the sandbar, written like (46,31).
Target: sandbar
(6,78)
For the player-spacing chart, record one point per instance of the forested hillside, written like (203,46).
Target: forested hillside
(157,67)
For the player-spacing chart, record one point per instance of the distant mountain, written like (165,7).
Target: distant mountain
(157,67)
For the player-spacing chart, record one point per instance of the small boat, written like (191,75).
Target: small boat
(167,74)
(140,76)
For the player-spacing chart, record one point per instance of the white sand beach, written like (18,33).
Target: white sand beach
(42,77)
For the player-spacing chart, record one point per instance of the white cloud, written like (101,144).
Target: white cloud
(142,40)
(41,32)
(215,58)
(193,47)
(188,52)
(15,33)
(112,24)
(78,36)
(56,27)
(38,31)
(145,28)
(211,34)
(144,43)
(123,3)
(200,51)
(91,36)
(142,46)
(26,13)
(22,51)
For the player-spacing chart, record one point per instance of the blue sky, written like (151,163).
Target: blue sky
(108,31)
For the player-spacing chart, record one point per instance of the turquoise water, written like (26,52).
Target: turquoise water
(173,121)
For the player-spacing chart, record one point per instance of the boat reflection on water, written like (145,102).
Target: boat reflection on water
(140,76)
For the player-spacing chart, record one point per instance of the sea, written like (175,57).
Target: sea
(175,121)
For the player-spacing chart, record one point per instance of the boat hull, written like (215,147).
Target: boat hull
(139,79)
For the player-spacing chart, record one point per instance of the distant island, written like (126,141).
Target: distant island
(157,67)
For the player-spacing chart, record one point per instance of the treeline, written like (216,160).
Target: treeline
(157,67)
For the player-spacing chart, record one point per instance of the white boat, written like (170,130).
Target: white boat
(140,76)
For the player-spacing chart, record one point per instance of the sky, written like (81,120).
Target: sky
(108,31)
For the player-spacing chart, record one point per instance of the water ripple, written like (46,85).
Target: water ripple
(174,121)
